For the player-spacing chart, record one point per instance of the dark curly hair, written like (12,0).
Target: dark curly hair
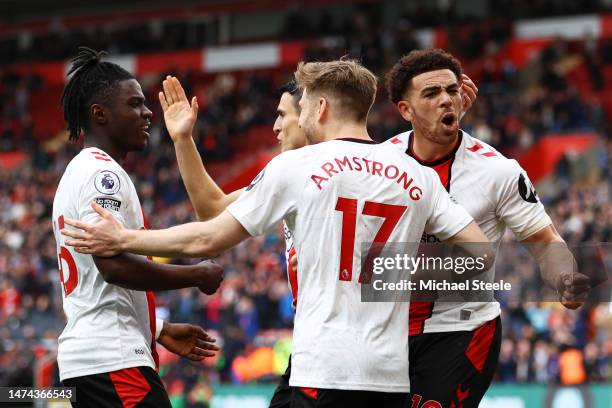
(92,81)
(417,62)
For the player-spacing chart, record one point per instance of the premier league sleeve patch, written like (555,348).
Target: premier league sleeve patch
(107,182)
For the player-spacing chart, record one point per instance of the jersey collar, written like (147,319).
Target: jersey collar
(431,163)
(350,139)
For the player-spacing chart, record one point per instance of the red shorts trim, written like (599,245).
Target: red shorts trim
(480,345)
(131,386)
(311,392)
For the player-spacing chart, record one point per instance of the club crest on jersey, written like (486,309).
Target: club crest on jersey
(107,182)
(526,190)
(256,180)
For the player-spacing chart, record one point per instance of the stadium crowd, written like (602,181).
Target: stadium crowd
(252,312)
(152,33)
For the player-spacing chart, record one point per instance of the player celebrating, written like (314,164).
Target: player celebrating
(209,200)
(341,190)
(107,349)
(454,347)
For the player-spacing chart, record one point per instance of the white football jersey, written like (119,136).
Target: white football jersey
(334,196)
(108,327)
(497,193)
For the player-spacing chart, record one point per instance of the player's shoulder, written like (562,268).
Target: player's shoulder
(481,157)
(303,155)
(91,159)
(285,159)
(401,140)
(93,163)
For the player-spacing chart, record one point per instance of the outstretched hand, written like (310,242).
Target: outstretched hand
(179,115)
(101,238)
(187,340)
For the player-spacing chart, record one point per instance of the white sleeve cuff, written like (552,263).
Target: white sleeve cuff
(542,223)
(159,325)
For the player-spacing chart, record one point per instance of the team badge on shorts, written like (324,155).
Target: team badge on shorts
(107,182)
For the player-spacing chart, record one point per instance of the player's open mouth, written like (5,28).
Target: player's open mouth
(145,129)
(449,118)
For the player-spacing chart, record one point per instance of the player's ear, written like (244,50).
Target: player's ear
(323,109)
(98,114)
(405,110)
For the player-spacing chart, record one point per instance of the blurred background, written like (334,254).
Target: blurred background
(544,71)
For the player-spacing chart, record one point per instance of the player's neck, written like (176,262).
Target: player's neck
(428,150)
(346,131)
(102,143)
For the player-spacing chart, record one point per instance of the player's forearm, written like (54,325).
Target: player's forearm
(552,254)
(182,241)
(472,242)
(554,259)
(558,263)
(137,273)
(205,195)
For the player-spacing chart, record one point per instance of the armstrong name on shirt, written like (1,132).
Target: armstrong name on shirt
(374,168)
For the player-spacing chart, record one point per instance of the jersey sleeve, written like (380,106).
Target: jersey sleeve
(446,218)
(518,205)
(272,195)
(109,187)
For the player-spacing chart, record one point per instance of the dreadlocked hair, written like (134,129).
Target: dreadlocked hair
(92,81)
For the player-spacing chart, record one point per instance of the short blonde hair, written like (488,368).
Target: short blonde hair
(345,80)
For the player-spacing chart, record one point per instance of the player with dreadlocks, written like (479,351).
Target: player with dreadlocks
(107,349)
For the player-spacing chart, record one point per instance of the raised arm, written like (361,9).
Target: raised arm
(197,239)
(137,273)
(205,195)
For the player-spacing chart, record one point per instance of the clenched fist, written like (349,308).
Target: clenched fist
(211,276)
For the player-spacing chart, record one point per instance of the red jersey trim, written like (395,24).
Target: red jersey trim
(292,274)
(151,307)
(419,312)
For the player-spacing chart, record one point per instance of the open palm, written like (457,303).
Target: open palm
(179,115)
(188,341)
